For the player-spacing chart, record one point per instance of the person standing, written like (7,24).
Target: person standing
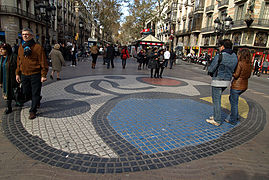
(32,69)
(173,57)
(57,61)
(265,66)
(141,56)
(8,64)
(240,82)
(222,68)
(166,56)
(124,56)
(110,54)
(154,63)
(94,53)
(162,62)
(74,55)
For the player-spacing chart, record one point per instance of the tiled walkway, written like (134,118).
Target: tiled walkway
(127,123)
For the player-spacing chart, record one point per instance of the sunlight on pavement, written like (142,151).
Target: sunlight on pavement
(243,107)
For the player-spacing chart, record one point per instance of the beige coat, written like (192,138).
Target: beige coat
(57,60)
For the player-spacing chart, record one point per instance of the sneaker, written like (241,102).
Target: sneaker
(32,115)
(212,121)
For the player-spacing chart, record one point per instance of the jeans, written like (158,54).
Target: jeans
(110,60)
(216,98)
(234,96)
(32,88)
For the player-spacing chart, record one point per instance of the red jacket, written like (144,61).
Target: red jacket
(124,54)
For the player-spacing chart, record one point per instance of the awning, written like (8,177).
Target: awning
(150,41)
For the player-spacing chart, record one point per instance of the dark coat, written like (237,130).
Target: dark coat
(141,57)
(110,52)
(11,82)
(154,61)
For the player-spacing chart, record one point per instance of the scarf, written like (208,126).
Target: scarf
(4,75)
(27,47)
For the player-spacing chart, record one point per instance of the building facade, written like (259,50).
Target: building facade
(72,21)
(194,30)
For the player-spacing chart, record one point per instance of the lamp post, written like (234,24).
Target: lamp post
(47,13)
(224,25)
(81,26)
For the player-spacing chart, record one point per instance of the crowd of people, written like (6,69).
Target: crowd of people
(26,66)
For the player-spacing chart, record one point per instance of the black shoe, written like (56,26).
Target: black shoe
(51,77)
(59,79)
(8,110)
(161,76)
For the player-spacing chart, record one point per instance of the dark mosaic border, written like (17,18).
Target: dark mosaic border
(130,159)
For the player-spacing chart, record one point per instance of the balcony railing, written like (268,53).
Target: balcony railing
(210,8)
(199,9)
(207,29)
(223,3)
(256,22)
(17,11)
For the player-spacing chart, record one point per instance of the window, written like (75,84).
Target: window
(239,14)
(209,20)
(266,11)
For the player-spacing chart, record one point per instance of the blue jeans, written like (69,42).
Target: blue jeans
(234,96)
(216,98)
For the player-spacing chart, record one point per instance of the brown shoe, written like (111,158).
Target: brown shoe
(32,115)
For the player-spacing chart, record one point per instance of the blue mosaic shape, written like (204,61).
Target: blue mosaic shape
(157,125)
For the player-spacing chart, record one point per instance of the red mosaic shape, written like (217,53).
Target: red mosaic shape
(161,81)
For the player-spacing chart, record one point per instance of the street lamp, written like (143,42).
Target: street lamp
(47,13)
(81,27)
(221,27)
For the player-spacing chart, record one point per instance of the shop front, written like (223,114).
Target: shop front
(211,51)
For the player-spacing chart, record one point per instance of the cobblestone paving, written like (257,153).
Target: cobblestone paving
(129,123)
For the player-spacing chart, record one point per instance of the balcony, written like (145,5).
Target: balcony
(199,9)
(261,22)
(239,23)
(239,1)
(223,4)
(196,28)
(210,9)
(10,10)
(207,29)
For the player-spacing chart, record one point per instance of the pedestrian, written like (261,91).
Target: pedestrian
(207,61)
(265,66)
(94,53)
(57,61)
(162,62)
(74,55)
(173,57)
(240,82)
(32,69)
(222,69)
(154,63)
(15,49)
(104,55)
(256,67)
(141,56)
(63,51)
(124,56)
(110,54)
(8,64)
(166,56)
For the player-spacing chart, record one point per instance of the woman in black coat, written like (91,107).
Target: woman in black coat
(8,65)
(154,63)
(141,56)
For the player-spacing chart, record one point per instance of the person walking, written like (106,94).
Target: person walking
(32,69)
(265,66)
(240,82)
(94,53)
(256,67)
(162,62)
(124,56)
(222,69)
(141,56)
(110,54)
(57,61)
(8,64)
(74,55)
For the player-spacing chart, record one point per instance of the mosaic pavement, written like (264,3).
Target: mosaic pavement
(114,124)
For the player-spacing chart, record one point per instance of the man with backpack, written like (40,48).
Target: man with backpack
(124,56)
